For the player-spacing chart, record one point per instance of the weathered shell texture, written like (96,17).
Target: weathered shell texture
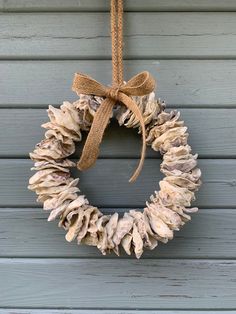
(168,209)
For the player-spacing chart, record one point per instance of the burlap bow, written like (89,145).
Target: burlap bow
(139,85)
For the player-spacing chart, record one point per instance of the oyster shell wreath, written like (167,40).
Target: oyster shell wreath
(167,210)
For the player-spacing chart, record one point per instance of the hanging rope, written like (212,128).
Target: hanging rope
(117,41)
(141,84)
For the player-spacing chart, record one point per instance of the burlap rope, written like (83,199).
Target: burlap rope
(141,84)
(167,209)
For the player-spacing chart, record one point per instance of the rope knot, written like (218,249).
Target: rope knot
(139,85)
(113,91)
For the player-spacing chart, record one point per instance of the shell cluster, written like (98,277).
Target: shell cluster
(167,210)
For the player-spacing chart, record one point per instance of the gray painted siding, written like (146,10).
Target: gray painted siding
(103,5)
(49,82)
(209,135)
(120,283)
(190,47)
(209,236)
(181,35)
(218,183)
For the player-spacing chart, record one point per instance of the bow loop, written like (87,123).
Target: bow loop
(84,84)
(139,85)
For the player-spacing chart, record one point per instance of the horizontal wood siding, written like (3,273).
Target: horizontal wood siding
(90,283)
(210,134)
(130,5)
(190,48)
(26,233)
(104,311)
(147,35)
(95,311)
(107,184)
(180,82)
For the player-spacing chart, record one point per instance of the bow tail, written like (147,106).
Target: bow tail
(131,104)
(91,147)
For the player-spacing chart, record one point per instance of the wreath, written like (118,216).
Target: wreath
(167,209)
(136,107)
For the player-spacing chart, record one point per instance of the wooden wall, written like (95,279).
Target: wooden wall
(190,47)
